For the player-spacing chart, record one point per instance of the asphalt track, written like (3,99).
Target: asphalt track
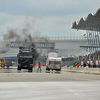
(24,85)
(13,75)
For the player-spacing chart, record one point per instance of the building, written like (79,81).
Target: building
(68,48)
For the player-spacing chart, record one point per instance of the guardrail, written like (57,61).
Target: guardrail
(67,38)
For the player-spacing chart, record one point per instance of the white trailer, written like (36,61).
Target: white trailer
(53,62)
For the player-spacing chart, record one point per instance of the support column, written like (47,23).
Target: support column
(98,37)
(90,38)
(87,31)
(93,38)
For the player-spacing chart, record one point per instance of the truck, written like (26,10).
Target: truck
(5,62)
(53,61)
(25,58)
(2,62)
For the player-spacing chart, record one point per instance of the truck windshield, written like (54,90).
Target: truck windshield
(54,62)
(25,55)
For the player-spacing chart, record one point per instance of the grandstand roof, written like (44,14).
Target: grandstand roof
(91,22)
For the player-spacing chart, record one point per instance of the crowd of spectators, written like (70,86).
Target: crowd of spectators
(93,57)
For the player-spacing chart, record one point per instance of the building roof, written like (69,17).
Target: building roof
(91,22)
(11,53)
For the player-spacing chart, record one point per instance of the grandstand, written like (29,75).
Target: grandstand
(92,26)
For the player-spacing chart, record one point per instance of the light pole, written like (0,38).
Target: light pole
(58,36)
(46,36)
(80,36)
(71,36)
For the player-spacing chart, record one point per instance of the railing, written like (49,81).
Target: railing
(67,38)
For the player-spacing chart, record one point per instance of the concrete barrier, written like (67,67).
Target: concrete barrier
(84,70)
(93,71)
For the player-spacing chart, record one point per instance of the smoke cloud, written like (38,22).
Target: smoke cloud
(24,35)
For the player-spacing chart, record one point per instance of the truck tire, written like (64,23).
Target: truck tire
(30,70)
(2,65)
(47,70)
(58,71)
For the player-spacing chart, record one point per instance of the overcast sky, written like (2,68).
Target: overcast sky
(45,17)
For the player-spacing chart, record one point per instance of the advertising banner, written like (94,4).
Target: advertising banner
(91,62)
(81,62)
(44,45)
(96,62)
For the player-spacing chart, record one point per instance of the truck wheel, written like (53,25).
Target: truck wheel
(47,70)
(30,70)
(2,65)
(58,71)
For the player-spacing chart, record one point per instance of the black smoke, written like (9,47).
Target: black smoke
(24,36)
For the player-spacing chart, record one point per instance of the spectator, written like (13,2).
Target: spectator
(39,66)
(78,65)
(94,65)
(88,64)
(75,64)
(84,64)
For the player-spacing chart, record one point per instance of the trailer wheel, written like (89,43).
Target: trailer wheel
(47,70)
(58,71)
